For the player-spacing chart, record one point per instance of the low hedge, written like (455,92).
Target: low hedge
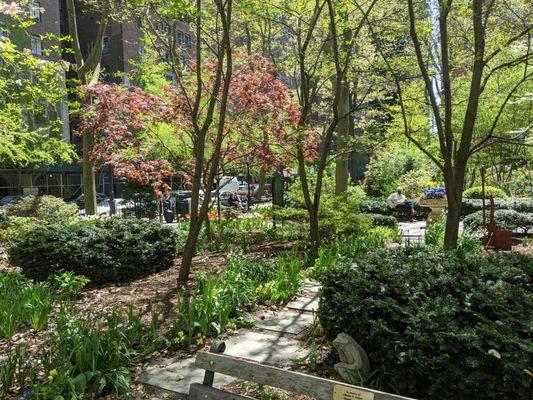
(505,219)
(476,192)
(437,325)
(383,220)
(376,207)
(521,205)
(103,250)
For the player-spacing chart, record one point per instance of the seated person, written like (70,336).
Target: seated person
(234,201)
(399,202)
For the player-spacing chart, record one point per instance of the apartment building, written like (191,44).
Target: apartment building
(123,46)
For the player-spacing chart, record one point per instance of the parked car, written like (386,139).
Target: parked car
(6,200)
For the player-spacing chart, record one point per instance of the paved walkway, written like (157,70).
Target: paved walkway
(273,340)
(413,232)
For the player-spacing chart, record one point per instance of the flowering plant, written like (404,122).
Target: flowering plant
(435,192)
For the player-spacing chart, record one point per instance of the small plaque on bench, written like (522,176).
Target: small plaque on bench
(347,393)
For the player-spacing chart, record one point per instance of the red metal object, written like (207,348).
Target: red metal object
(491,227)
(499,239)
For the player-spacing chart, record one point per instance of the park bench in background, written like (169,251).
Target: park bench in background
(247,370)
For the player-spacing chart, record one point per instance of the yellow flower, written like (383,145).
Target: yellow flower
(52,374)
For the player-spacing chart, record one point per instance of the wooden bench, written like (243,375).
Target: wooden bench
(319,388)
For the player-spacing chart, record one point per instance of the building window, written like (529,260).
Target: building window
(36,45)
(142,49)
(184,40)
(168,56)
(105,45)
(35,10)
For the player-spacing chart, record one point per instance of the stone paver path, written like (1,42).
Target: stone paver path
(272,341)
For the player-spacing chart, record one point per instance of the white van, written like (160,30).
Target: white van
(229,184)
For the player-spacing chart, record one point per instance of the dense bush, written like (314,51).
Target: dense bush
(103,250)
(15,227)
(414,182)
(505,219)
(439,325)
(376,207)
(338,215)
(50,209)
(521,205)
(476,192)
(392,167)
(383,220)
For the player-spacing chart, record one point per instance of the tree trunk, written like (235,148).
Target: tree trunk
(451,234)
(343,137)
(455,178)
(89,181)
(188,252)
(314,228)
(262,183)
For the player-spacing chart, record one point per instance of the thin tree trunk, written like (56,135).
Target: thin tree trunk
(343,135)
(262,183)
(89,180)
(455,179)
(314,228)
(451,234)
(188,252)
(198,214)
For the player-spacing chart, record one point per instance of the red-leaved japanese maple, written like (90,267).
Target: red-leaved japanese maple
(259,127)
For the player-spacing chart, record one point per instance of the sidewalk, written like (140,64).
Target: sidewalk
(273,340)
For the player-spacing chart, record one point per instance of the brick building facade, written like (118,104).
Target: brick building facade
(122,46)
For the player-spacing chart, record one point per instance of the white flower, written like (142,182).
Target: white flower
(18,82)
(495,353)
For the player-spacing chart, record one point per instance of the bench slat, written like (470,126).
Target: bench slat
(296,382)
(203,392)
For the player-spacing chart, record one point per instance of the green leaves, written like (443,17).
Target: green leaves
(23,302)
(434,321)
(105,250)
(32,89)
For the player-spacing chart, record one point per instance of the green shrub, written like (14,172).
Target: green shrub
(50,209)
(415,182)
(390,167)
(338,215)
(476,193)
(376,207)
(442,325)
(383,220)
(103,250)
(290,214)
(68,285)
(470,206)
(15,227)
(505,219)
